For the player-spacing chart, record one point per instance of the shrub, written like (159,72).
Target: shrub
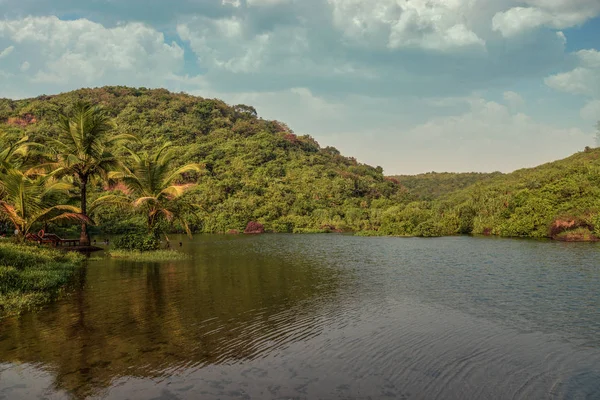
(428,229)
(137,242)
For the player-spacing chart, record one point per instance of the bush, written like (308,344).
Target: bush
(137,242)
(428,229)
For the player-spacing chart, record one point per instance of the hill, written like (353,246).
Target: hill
(560,199)
(259,170)
(255,169)
(431,185)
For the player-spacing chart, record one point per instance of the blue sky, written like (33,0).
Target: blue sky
(410,85)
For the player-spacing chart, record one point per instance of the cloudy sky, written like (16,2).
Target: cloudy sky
(411,85)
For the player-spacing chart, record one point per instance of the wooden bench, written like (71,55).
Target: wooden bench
(41,240)
(44,238)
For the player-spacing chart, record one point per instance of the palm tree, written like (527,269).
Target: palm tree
(83,150)
(28,200)
(152,182)
(12,149)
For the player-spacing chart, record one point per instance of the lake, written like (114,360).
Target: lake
(319,317)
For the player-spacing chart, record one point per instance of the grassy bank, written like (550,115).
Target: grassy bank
(148,256)
(31,276)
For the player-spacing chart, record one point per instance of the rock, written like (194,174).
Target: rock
(254,227)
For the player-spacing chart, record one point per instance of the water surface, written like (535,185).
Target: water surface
(320,317)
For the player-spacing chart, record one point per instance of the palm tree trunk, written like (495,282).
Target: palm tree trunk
(84,237)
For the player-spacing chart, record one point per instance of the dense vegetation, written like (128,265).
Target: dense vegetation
(31,276)
(559,199)
(433,185)
(253,169)
(232,167)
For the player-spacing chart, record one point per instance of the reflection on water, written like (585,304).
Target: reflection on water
(324,316)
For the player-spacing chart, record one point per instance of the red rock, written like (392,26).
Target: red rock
(254,227)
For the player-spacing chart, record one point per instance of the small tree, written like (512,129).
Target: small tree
(30,200)
(155,192)
(84,150)
(598,134)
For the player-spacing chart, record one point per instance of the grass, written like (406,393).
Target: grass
(148,256)
(310,230)
(580,234)
(31,276)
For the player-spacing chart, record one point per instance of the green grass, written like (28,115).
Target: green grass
(31,276)
(580,234)
(149,256)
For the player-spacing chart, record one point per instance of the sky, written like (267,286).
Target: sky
(410,85)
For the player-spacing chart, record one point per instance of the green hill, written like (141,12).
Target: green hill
(259,170)
(255,170)
(560,199)
(431,185)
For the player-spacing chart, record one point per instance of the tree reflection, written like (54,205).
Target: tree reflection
(140,320)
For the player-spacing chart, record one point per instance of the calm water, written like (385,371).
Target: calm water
(320,317)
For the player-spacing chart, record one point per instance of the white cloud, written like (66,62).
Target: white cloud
(229,45)
(584,79)
(513,100)
(6,51)
(557,14)
(489,136)
(429,24)
(81,52)
(234,3)
(364,76)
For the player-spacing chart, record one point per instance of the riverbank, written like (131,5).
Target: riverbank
(31,276)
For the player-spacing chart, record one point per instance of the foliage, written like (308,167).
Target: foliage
(138,242)
(31,276)
(27,200)
(261,171)
(432,185)
(149,256)
(83,149)
(154,191)
(14,150)
(547,201)
(254,169)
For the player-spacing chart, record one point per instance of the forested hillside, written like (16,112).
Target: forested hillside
(560,199)
(431,185)
(259,170)
(253,169)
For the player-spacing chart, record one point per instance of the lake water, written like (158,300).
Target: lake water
(320,317)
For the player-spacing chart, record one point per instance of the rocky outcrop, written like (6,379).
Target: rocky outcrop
(23,121)
(254,227)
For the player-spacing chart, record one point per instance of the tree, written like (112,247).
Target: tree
(12,150)
(598,134)
(83,150)
(28,200)
(154,187)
